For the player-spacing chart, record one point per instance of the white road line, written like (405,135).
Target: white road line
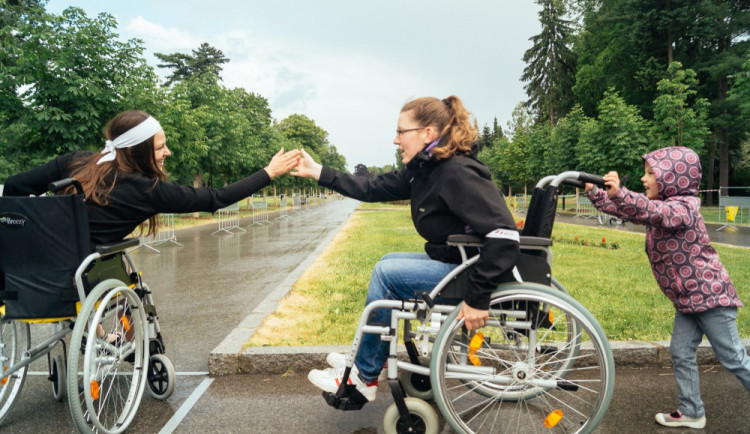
(179,374)
(171,425)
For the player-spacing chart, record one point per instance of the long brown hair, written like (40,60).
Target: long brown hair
(451,119)
(98,180)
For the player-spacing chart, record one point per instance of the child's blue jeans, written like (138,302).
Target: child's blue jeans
(720,327)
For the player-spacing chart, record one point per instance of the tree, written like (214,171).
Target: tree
(361,170)
(676,122)
(71,75)
(551,64)
(204,60)
(616,140)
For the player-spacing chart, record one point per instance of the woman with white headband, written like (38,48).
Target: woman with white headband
(126,184)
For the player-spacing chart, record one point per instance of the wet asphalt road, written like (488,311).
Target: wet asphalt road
(197,310)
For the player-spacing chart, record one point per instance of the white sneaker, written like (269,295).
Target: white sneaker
(676,419)
(329,380)
(338,361)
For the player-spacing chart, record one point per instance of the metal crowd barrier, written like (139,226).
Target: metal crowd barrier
(260,211)
(585,209)
(229,219)
(283,212)
(165,234)
(297,203)
(732,209)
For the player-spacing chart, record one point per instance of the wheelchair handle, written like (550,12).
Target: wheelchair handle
(597,180)
(56,186)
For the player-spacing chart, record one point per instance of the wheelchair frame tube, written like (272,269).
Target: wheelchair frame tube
(32,354)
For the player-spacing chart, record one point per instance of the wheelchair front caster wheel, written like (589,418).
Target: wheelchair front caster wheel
(421,419)
(161,376)
(416,385)
(57,377)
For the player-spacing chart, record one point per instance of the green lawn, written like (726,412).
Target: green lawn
(616,285)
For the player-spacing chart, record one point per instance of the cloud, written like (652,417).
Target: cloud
(159,38)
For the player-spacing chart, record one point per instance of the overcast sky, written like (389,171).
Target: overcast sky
(348,64)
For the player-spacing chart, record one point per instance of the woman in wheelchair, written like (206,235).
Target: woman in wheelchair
(126,184)
(451,192)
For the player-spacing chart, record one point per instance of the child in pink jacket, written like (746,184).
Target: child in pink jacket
(686,268)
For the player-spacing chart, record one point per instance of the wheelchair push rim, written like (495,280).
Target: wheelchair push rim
(109,345)
(15,339)
(538,380)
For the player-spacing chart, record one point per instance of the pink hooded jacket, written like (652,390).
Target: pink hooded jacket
(684,264)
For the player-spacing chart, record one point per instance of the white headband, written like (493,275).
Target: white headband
(131,137)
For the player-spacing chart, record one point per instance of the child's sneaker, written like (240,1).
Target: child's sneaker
(329,380)
(676,419)
(338,361)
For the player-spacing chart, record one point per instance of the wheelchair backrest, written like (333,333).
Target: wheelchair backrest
(541,213)
(43,240)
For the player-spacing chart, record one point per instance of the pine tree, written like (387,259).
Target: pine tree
(551,64)
(205,60)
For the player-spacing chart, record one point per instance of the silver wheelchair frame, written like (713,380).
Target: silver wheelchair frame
(541,363)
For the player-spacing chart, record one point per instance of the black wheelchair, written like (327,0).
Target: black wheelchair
(50,273)
(542,363)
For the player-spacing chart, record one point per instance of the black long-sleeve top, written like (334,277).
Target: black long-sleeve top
(134,197)
(451,196)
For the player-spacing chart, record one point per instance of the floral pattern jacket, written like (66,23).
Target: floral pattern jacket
(684,264)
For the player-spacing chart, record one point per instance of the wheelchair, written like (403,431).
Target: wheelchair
(51,274)
(541,363)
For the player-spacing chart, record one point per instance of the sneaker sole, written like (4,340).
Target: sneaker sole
(679,424)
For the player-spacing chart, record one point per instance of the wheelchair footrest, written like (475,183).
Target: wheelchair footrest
(350,399)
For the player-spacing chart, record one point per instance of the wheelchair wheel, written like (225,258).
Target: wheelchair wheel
(416,385)
(161,376)
(422,415)
(524,372)
(109,347)
(58,371)
(15,340)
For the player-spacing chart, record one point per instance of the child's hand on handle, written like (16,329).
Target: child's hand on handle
(475,318)
(612,181)
(307,167)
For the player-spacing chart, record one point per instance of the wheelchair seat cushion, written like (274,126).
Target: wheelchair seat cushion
(43,240)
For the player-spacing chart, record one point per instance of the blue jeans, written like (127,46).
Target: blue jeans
(398,276)
(720,327)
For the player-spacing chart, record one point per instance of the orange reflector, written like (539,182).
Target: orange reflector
(474,345)
(550,317)
(95,390)
(125,323)
(4,380)
(553,418)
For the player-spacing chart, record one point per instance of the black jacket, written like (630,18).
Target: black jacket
(135,197)
(450,196)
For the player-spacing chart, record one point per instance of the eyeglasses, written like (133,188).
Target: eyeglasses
(400,132)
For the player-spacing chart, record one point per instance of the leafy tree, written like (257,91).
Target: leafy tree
(303,131)
(361,170)
(616,140)
(551,64)
(563,140)
(676,123)
(204,60)
(70,76)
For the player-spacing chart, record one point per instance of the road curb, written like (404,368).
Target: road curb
(283,360)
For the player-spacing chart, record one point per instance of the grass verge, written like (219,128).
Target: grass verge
(616,285)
